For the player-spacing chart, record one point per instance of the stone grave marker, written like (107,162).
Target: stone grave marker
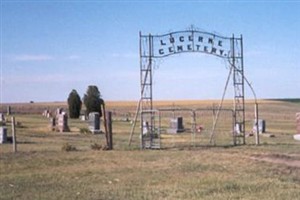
(261,126)
(3,134)
(8,110)
(62,123)
(176,125)
(52,124)
(2,119)
(94,122)
(298,122)
(146,128)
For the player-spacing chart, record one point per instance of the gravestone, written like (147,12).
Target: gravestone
(47,113)
(94,122)
(52,124)
(62,123)
(2,119)
(146,128)
(59,111)
(298,122)
(238,128)
(82,117)
(3,135)
(261,126)
(176,125)
(8,110)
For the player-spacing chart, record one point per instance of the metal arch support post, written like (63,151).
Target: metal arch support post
(146,101)
(238,84)
(134,122)
(216,116)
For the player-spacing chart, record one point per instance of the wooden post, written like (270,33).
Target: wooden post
(109,127)
(105,123)
(194,128)
(14,134)
(256,124)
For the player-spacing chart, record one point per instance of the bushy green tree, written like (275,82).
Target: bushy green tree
(74,103)
(92,100)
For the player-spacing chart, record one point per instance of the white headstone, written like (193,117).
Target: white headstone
(238,128)
(2,119)
(3,135)
(145,127)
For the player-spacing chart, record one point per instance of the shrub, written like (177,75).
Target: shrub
(68,147)
(74,103)
(92,100)
(96,146)
(84,131)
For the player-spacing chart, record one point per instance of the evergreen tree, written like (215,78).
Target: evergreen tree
(92,100)
(74,103)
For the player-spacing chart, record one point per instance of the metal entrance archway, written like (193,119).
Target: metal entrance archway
(159,46)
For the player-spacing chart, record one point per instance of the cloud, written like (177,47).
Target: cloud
(255,53)
(73,57)
(41,79)
(27,57)
(41,57)
(125,55)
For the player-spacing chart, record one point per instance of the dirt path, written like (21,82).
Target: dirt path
(290,160)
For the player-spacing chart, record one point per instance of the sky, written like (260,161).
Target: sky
(49,48)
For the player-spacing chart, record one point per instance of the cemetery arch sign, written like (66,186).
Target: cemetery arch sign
(159,46)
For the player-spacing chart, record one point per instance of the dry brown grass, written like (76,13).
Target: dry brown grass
(129,106)
(41,170)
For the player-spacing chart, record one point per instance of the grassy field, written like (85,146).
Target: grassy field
(181,170)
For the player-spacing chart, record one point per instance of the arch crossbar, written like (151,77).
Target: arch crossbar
(159,46)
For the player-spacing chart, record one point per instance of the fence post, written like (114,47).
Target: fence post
(256,125)
(109,127)
(14,134)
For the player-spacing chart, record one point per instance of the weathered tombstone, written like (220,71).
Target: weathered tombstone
(261,126)
(145,127)
(3,135)
(83,117)
(59,111)
(46,113)
(298,122)
(176,125)
(94,122)
(62,123)
(238,128)
(52,124)
(8,110)
(2,119)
